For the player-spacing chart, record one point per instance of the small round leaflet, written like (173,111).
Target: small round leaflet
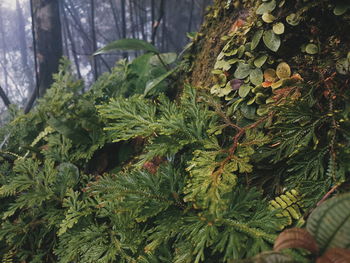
(283,70)
(278,28)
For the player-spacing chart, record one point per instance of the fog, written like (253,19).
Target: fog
(113,19)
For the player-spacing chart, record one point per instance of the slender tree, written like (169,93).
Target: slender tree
(48,39)
(71,41)
(157,23)
(4,97)
(4,48)
(23,46)
(93,37)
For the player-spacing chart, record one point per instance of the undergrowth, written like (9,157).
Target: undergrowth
(118,174)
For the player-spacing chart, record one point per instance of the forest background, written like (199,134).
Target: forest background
(86,26)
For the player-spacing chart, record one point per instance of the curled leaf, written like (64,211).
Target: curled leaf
(335,255)
(341,8)
(296,238)
(293,19)
(277,84)
(311,49)
(268,18)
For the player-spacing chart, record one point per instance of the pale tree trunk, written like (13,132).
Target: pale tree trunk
(23,47)
(71,41)
(4,49)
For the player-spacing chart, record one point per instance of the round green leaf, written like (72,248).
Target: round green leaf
(271,40)
(244,90)
(278,28)
(256,39)
(266,7)
(311,49)
(283,70)
(256,76)
(242,71)
(260,61)
(268,18)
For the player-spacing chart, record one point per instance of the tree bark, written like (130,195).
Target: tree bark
(115,17)
(157,23)
(4,48)
(123,10)
(4,97)
(93,38)
(72,42)
(23,47)
(49,40)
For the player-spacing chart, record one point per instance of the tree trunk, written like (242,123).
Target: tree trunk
(93,39)
(72,41)
(48,39)
(123,11)
(4,97)
(4,49)
(156,24)
(115,18)
(23,47)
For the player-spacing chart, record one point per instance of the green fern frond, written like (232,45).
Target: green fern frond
(290,205)
(8,257)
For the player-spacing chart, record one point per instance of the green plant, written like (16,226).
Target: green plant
(326,236)
(127,173)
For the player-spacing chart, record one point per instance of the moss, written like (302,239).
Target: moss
(209,44)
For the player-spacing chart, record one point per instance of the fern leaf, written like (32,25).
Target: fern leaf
(290,206)
(8,257)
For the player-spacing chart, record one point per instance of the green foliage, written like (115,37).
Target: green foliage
(127,44)
(329,223)
(126,173)
(289,205)
(326,236)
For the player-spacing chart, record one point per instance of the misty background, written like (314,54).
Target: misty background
(87,25)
